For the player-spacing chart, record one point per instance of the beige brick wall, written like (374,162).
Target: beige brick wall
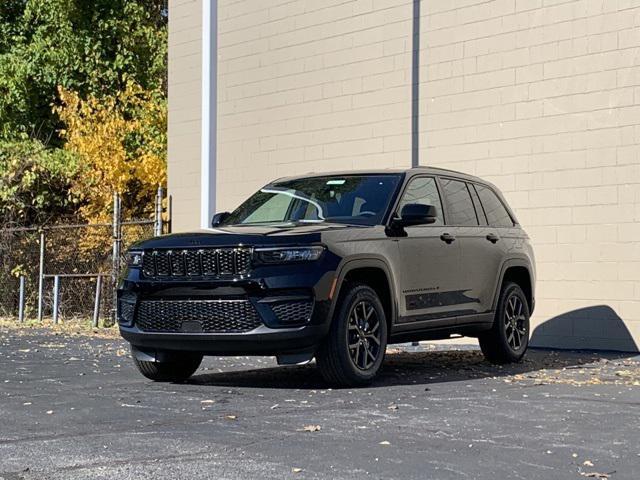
(185,52)
(311,86)
(541,97)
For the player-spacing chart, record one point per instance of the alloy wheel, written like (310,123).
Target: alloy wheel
(515,322)
(363,335)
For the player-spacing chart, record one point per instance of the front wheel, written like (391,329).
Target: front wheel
(508,339)
(178,367)
(353,351)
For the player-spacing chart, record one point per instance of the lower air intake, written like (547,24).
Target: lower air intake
(195,316)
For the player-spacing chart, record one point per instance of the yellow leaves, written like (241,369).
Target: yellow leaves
(122,143)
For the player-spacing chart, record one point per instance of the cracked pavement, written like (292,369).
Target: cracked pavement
(74,407)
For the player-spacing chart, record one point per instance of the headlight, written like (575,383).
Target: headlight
(288,254)
(134,259)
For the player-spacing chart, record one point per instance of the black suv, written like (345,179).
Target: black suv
(336,267)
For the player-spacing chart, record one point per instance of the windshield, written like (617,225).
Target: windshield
(353,199)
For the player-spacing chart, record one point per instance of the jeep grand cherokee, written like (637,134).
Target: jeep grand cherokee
(336,267)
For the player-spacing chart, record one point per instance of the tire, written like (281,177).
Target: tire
(508,339)
(178,369)
(354,349)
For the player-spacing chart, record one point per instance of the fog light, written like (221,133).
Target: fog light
(126,308)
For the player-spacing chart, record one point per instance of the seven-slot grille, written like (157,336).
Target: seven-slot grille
(206,262)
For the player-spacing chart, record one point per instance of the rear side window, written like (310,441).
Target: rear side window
(497,214)
(460,210)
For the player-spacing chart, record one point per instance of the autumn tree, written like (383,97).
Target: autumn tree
(82,106)
(121,143)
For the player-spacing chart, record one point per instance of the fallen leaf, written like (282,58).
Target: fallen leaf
(311,428)
(594,474)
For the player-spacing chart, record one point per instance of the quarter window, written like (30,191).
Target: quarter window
(423,190)
(460,210)
(497,214)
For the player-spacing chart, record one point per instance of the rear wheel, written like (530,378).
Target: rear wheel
(178,368)
(508,339)
(353,351)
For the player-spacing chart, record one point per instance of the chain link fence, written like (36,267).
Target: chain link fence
(69,271)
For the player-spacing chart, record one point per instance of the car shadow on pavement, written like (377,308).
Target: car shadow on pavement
(417,368)
(597,327)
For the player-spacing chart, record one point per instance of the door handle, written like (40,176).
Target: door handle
(493,238)
(448,238)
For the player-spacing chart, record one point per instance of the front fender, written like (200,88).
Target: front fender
(364,261)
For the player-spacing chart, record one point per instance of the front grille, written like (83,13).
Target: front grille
(209,262)
(293,312)
(207,316)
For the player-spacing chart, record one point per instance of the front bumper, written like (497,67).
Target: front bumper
(283,311)
(261,341)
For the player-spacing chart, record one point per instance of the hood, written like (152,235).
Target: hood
(252,235)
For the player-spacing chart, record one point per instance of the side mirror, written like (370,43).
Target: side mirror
(417,214)
(218,218)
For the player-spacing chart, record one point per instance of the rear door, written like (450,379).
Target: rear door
(429,261)
(482,243)
(491,246)
(466,224)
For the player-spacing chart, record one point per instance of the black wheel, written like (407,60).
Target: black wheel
(353,351)
(508,339)
(178,368)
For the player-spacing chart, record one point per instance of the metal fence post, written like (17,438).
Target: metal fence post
(117,234)
(169,214)
(21,300)
(41,278)
(96,305)
(56,298)
(157,226)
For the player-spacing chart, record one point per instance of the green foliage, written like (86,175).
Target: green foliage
(35,182)
(93,48)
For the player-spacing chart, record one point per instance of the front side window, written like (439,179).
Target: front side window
(422,190)
(460,209)
(351,199)
(497,214)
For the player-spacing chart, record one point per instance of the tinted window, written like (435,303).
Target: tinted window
(476,203)
(355,199)
(497,214)
(273,210)
(422,190)
(460,209)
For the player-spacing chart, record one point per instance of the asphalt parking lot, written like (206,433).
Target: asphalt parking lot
(74,407)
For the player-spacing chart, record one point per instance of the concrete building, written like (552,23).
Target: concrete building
(541,97)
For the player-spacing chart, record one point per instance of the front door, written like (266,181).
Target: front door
(430,262)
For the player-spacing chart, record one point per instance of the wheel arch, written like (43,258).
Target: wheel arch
(374,272)
(518,271)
